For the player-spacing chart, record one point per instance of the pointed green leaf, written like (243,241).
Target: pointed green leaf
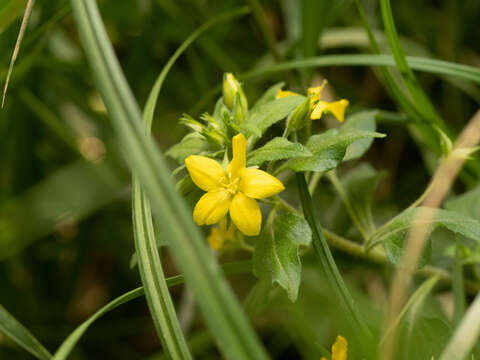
(328,150)
(360,184)
(393,234)
(277,149)
(467,203)
(264,116)
(190,144)
(364,120)
(276,252)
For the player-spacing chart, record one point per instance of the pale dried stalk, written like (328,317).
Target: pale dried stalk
(440,184)
(26,15)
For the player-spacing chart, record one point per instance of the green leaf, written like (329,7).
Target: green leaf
(278,148)
(393,234)
(328,150)
(264,116)
(276,252)
(268,95)
(15,331)
(360,184)
(364,120)
(223,314)
(191,144)
(467,203)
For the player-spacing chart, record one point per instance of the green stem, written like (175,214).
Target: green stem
(322,250)
(348,205)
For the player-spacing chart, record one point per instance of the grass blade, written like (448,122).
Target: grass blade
(416,299)
(322,251)
(433,66)
(222,311)
(67,346)
(157,294)
(156,290)
(418,97)
(466,334)
(15,331)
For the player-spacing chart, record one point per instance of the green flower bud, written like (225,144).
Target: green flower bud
(230,88)
(240,107)
(299,117)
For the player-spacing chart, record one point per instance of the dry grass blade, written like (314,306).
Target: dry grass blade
(26,15)
(440,184)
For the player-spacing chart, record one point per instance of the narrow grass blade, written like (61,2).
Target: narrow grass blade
(26,15)
(221,309)
(153,96)
(418,96)
(416,299)
(67,346)
(20,335)
(157,294)
(323,253)
(427,65)
(433,66)
(466,334)
(156,290)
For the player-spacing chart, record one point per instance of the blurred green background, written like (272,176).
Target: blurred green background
(65,213)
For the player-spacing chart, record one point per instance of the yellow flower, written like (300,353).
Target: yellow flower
(339,349)
(317,106)
(233,190)
(220,234)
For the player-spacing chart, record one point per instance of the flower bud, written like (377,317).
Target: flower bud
(299,117)
(230,88)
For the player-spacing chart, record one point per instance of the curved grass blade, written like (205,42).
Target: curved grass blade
(20,335)
(149,109)
(156,290)
(221,309)
(417,298)
(417,63)
(69,343)
(466,334)
(322,251)
(157,294)
(418,96)
(433,66)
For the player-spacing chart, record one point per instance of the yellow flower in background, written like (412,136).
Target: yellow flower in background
(318,106)
(233,190)
(339,349)
(220,234)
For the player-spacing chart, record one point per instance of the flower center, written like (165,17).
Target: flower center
(230,183)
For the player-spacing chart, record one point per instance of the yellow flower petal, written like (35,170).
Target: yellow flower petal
(206,173)
(259,184)
(212,207)
(315,93)
(245,214)
(239,158)
(285,93)
(340,348)
(337,108)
